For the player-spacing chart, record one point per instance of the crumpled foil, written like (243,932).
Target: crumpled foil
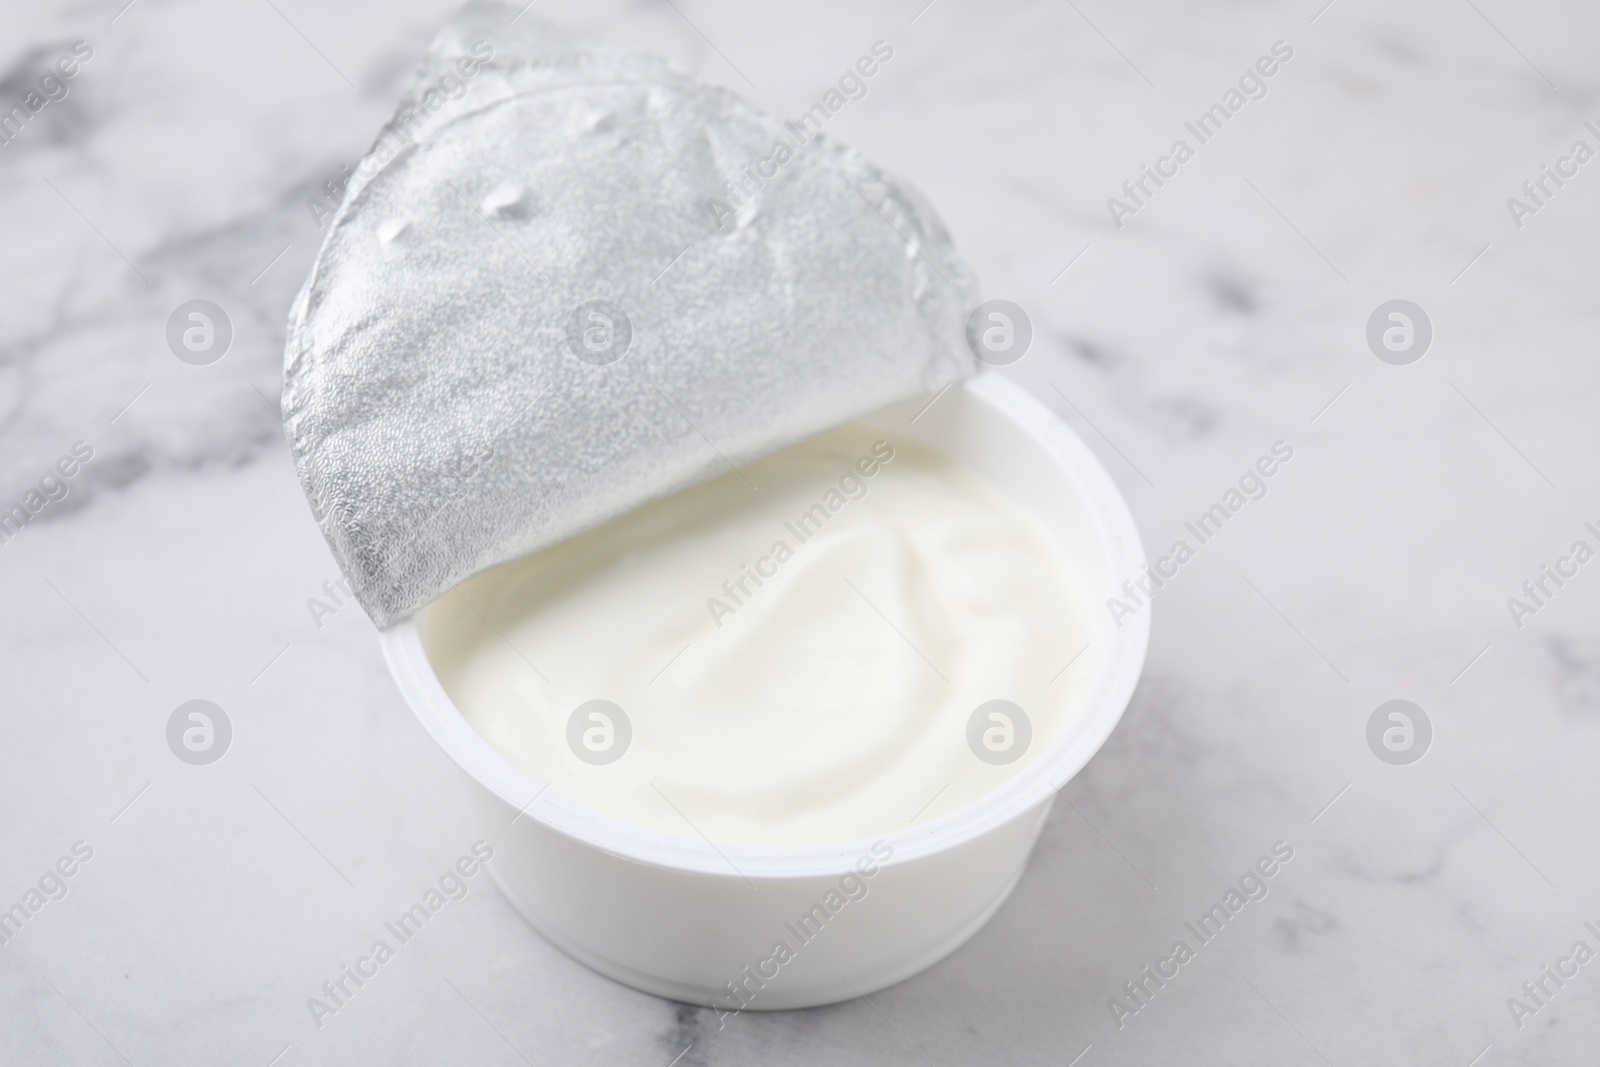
(568,280)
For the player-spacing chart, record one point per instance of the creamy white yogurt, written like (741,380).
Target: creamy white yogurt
(797,651)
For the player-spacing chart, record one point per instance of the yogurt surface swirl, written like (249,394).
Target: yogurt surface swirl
(790,654)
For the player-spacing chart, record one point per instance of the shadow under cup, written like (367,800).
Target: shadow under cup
(741,926)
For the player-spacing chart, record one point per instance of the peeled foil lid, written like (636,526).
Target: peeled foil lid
(568,280)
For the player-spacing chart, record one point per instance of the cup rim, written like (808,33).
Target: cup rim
(1101,709)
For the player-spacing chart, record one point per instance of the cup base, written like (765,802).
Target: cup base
(776,1000)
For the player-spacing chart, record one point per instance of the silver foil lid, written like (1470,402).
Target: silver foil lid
(568,280)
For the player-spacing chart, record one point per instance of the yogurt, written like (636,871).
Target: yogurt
(835,642)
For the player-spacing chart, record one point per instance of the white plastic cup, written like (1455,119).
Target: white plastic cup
(701,922)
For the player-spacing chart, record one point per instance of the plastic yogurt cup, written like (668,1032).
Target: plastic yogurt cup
(750,926)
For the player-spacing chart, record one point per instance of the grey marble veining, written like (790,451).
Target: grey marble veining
(1226,314)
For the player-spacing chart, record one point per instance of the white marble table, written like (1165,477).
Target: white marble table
(1226,314)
